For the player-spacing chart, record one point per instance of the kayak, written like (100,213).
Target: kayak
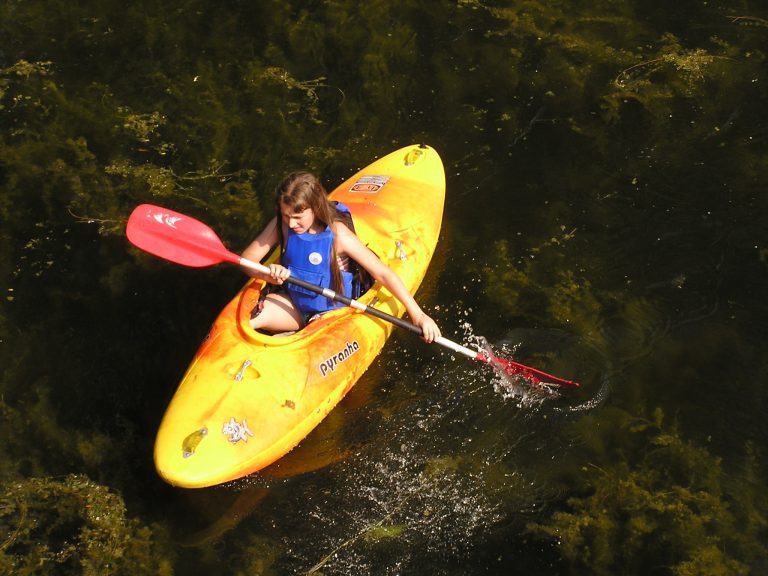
(249,398)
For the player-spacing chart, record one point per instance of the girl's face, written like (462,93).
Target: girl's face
(298,222)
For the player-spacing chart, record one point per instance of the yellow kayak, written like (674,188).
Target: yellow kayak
(249,398)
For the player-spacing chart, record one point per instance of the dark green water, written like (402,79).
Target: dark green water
(604,221)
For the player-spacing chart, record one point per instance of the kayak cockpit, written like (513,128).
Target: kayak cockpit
(249,298)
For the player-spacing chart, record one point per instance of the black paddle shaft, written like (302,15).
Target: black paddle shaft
(336,297)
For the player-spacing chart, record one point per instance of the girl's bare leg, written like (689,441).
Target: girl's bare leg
(278,315)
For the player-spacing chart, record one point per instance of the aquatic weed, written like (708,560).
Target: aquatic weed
(76,525)
(712,522)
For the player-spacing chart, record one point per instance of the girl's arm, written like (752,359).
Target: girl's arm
(261,246)
(348,243)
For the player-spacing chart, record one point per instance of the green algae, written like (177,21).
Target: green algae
(67,523)
(547,283)
(654,497)
(74,525)
(384,532)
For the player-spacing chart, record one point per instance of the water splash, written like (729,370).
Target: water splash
(460,449)
(408,502)
(570,351)
(512,386)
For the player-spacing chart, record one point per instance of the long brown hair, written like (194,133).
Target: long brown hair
(302,190)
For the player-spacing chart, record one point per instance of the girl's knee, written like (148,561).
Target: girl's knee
(275,314)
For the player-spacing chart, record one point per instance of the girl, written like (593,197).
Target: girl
(317,244)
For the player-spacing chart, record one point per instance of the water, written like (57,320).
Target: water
(605,168)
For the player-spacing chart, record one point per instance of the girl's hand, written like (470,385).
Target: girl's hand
(277,274)
(429,329)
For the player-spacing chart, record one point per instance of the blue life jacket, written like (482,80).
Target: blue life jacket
(308,257)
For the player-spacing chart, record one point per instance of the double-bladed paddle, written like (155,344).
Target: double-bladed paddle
(184,240)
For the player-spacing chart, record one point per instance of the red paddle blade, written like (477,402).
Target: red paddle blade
(176,237)
(531,374)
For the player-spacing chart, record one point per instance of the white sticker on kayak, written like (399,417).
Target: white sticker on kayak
(330,364)
(236,430)
(369,184)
